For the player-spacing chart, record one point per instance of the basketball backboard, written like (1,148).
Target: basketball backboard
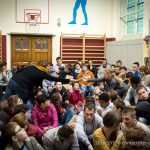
(32,25)
(38,8)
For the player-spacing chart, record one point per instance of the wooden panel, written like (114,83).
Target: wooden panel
(82,47)
(75,42)
(94,49)
(37,57)
(18,57)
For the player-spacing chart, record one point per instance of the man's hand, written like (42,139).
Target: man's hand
(99,111)
(80,80)
(85,79)
(131,106)
(67,102)
(73,80)
(69,77)
(63,110)
(48,128)
(4,74)
(119,137)
(90,147)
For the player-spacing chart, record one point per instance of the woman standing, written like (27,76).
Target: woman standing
(23,82)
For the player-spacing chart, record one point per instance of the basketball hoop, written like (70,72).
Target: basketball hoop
(32,26)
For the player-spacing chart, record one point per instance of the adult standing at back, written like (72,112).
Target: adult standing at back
(92,68)
(100,73)
(23,82)
(58,65)
(136,67)
(5,76)
(119,63)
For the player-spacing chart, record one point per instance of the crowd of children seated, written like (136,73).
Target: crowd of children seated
(75,107)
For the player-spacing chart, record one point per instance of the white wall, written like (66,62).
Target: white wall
(128,51)
(102,16)
(146,29)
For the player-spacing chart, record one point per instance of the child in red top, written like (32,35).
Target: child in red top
(76,98)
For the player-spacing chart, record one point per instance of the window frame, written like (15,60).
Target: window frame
(136,20)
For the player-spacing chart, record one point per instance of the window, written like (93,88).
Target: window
(25,44)
(38,44)
(134,16)
(21,44)
(41,44)
(45,44)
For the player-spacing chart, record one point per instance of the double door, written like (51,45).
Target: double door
(27,49)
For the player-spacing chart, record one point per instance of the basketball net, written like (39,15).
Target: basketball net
(32,26)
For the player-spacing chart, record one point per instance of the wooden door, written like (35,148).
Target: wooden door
(41,49)
(27,49)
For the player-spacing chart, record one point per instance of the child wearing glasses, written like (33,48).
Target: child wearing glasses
(15,138)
